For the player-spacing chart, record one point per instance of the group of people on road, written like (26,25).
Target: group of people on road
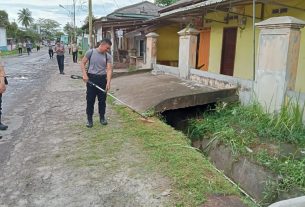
(59,49)
(28,45)
(98,72)
(96,68)
(74,49)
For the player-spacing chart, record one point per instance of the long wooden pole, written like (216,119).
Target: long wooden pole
(90,24)
(74,25)
(254,40)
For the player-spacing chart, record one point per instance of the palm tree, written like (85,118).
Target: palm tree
(25,17)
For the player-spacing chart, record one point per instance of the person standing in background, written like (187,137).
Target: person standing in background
(60,51)
(69,48)
(31,46)
(3,83)
(28,47)
(38,46)
(51,53)
(74,51)
(20,48)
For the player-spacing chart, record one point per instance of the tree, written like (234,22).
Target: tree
(58,35)
(25,17)
(27,35)
(165,2)
(79,32)
(86,20)
(48,28)
(4,19)
(69,29)
(11,30)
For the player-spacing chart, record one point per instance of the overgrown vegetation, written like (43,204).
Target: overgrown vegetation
(194,177)
(249,128)
(169,152)
(132,68)
(5,53)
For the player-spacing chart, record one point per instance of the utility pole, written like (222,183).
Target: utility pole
(74,26)
(73,37)
(254,41)
(90,24)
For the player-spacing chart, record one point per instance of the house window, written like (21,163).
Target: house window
(283,10)
(230,17)
(280,11)
(275,11)
(142,48)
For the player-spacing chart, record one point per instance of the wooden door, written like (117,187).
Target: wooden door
(204,50)
(228,51)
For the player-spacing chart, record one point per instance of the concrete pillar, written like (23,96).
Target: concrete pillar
(187,51)
(277,60)
(132,55)
(151,49)
(113,48)
(99,35)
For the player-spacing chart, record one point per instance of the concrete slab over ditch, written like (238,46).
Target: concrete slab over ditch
(146,91)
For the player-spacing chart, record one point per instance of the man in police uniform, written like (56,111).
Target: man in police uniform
(99,72)
(3,83)
(60,50)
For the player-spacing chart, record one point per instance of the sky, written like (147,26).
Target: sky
(50,9)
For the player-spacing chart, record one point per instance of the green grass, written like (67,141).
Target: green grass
(97,146)
(193,176)
(168,152)
(132,68)
(7,53)
(249,127)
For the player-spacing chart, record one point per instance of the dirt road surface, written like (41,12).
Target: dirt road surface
(46,117)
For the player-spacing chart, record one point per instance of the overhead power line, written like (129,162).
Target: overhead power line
(116,3)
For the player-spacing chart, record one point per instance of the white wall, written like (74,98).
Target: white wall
(3,44)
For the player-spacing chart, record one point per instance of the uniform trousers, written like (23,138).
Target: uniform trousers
(93,92)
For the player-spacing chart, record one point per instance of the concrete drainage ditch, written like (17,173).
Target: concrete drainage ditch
(260,183)
(249,176)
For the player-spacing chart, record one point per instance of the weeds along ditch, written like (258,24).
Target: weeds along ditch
(263,153)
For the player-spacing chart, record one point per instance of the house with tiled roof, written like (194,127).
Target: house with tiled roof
(118,23)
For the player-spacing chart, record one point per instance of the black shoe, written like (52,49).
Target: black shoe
(0,136)
(103,121)
(89,124)
(3,127)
